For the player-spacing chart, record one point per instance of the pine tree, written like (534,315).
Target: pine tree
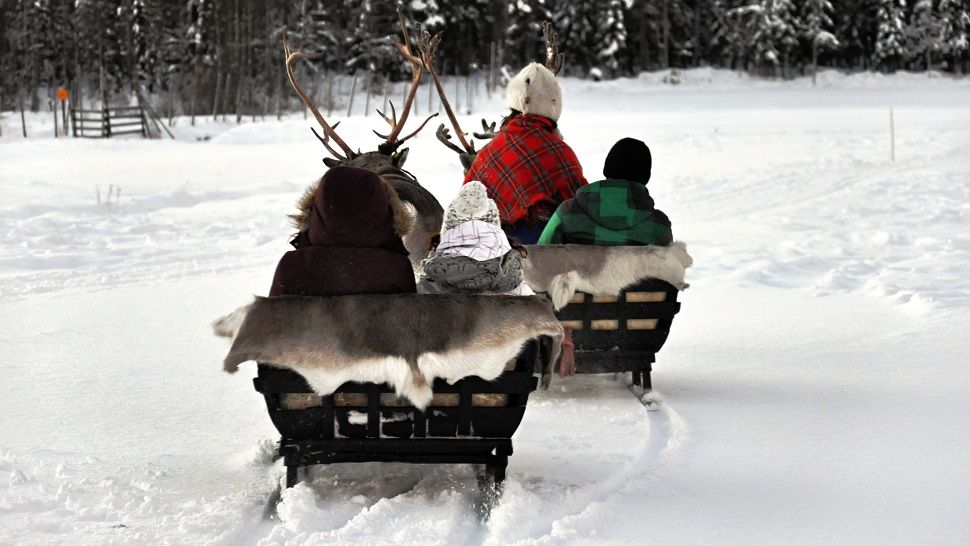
(890,41)
(856,29)
(784,22)
(611,37)
(816,22)
(576,25)
(523,30)
(428,15)
(371,50)
(956,30)
(668,27)
(924,34)
(772,32)
(726,28)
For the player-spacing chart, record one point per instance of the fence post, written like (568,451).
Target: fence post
(54,110)
(367,84)
(387,91)
(64,116)
(491,70)
(457,89)
(353,89)
(330,78)
(892,135)
(105,123)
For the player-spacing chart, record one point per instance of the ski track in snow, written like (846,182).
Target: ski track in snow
(803,233)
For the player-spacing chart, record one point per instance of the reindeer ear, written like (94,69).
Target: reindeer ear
(399,158)
(331,162)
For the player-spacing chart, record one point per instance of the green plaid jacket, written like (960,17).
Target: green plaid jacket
(608,212)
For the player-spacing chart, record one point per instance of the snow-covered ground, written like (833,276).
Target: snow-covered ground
(815,387)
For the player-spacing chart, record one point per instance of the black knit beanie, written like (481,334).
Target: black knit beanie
(629,159)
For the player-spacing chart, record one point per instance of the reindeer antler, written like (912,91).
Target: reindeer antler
(391,140)
(488,131)
(328,131)
(554,59)
(427,44)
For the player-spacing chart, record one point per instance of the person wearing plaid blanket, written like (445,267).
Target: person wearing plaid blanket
(473,254)
(615,211)
(528,168)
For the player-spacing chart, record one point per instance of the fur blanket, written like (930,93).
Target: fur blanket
(405,340)
(563,270)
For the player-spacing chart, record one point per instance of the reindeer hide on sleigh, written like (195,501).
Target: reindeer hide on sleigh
(405,340)
(562,270)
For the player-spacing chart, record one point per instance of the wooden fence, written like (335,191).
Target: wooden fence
(109,122)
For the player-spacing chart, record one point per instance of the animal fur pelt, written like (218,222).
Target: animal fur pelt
(405,340)
(563,270)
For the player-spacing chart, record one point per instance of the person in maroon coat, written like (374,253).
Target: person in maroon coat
(350,223)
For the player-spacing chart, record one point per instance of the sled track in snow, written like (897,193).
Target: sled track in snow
(356,502)
(668,434)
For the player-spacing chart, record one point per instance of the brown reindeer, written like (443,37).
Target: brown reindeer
(388,160)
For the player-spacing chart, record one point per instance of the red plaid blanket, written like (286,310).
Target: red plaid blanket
(525,164)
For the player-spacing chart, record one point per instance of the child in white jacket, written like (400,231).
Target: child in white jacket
(473,254)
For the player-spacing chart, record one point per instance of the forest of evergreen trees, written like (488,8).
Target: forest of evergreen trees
(208,56)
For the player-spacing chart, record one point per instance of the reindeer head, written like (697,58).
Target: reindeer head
(388,153)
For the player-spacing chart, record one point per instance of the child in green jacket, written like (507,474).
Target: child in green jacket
(615,211)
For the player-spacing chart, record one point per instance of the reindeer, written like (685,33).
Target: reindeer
(388,160)
(467,152)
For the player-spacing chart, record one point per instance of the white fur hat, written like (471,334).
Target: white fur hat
(534,90)
(472,203)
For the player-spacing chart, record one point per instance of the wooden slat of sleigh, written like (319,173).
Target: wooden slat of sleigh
(641,324)
(300,401)
(631,297)
(645,297)
(600,325)
(607,324)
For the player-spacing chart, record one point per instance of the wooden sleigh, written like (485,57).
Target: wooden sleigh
(624,332)
(618,324)
(405,410)
(469,422)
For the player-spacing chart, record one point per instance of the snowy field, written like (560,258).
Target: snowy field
(815,388)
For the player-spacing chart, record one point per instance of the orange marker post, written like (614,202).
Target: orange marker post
(62,96)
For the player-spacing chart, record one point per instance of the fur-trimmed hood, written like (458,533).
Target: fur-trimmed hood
(403,219)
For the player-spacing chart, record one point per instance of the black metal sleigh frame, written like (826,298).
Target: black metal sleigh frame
(621,333)
(470,422)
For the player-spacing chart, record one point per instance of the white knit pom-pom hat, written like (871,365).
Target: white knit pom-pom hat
(472,203)
(534,90)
